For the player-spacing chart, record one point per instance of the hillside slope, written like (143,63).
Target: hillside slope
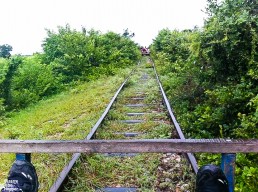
(69,115)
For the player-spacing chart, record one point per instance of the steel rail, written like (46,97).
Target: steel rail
(64,173)
(190,156)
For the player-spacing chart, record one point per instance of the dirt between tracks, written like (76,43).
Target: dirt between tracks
(174,174)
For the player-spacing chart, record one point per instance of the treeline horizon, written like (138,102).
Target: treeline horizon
(69,57)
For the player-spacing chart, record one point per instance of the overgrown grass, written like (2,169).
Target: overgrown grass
(98,171)
(69,115)
(72,114)
(102,171)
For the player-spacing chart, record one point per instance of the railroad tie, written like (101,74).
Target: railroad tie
(144,77)
(136,105)
(135,114)
(137,98)
(135,121)
(140,93)
(128,134)
(143,82)
(117,189)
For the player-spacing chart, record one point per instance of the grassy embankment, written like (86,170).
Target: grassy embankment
(69,115)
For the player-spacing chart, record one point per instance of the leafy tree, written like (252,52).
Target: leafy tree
(32,81)
(215,71)
(5,51)
(119,48)
(13,65)
(74,54)
(126,33)
(4,64)
(67,49)
(213,84)
(173,43)
(228,41)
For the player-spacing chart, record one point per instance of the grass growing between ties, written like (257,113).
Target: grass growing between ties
(133,170)
(102,171)
(69,115)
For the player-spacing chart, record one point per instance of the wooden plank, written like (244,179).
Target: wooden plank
(130,146)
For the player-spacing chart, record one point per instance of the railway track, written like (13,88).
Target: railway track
(138,110)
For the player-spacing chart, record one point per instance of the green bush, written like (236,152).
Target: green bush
(32,81)
(211,77)
(74,54)
(13,65)
(4,65)
(69,57)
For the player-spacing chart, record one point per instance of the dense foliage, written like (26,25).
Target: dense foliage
(32,81)
(74,54)
(3,73)
(211,76)
(69,56)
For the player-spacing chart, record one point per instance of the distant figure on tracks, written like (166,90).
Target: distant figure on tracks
(145,51)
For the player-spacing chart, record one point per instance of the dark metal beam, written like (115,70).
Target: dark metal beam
(130,146)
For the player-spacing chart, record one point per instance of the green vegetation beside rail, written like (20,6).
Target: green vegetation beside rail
(69,115)
(210,76)
(60,93)
(69,57)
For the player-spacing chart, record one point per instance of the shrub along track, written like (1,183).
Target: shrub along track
(138,113)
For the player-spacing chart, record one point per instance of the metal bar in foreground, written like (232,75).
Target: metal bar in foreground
(130,146)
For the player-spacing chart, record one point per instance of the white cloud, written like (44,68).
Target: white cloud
(23,23)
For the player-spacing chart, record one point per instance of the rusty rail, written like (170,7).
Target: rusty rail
(64,173)
(190,156)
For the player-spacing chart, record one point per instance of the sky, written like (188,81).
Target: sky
(23,23)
